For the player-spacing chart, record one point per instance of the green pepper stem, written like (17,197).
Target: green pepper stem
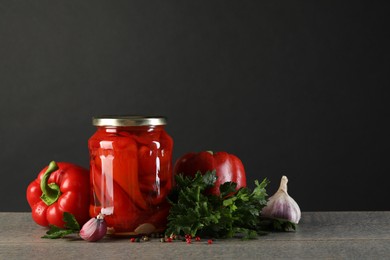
(50,192)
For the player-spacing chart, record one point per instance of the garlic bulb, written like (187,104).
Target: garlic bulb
(94,230)
(281,205)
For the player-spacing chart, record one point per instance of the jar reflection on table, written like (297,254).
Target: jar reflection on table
(131,173)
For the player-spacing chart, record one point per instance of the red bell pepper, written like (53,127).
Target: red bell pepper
(228,167)
(60,187)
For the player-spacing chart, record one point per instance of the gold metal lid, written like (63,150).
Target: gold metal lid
(128,120)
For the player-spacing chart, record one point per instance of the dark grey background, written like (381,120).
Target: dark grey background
(290,87)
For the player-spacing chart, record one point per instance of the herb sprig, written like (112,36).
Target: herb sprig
(233,213)
(71,226)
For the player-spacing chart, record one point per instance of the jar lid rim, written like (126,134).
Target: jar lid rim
(128,120)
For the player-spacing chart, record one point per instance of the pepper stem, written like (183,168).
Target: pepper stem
(50,192)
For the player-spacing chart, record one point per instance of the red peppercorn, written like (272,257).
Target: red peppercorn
(210,241)
(188,240)
(168,239)
(132,240)
(197,239)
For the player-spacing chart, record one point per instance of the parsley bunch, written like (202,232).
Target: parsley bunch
(233,213)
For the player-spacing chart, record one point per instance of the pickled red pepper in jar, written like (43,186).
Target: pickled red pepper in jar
(131,173)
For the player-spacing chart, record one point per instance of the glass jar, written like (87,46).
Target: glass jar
(131,173)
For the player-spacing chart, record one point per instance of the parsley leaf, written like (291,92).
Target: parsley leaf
(57,232)
(70,221)
(71,226)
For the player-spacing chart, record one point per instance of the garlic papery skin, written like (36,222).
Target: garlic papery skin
(281,205)
(94,230)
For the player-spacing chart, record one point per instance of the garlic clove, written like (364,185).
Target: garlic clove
(94,230)
(145,228)
(281,205)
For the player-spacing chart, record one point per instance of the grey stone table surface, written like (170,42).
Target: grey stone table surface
(320,235)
